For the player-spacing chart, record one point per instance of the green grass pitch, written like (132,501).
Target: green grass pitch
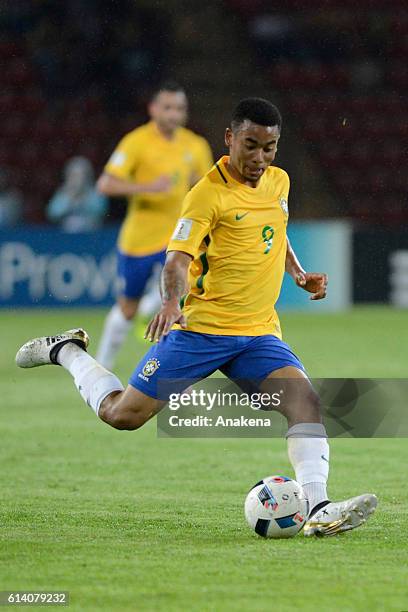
(126,521)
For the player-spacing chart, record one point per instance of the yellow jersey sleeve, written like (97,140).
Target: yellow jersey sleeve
(202,158)
(124,160)
(198,215)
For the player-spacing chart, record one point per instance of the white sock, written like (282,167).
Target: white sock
(308,452)
(114,334)
(92,380)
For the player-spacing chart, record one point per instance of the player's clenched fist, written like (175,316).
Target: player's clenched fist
(314,282)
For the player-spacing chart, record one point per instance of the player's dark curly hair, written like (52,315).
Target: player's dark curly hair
(258,111)
(169,85)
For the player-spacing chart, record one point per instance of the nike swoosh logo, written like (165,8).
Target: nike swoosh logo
(324,458)
(239,217)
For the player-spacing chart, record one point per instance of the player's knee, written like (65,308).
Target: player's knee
(127,422)
(122,418)
(129,311)
(128,308)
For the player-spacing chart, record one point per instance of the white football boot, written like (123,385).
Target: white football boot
(337,517)
(43,351)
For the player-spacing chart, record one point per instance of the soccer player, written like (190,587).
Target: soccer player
(154,166)
(229,251)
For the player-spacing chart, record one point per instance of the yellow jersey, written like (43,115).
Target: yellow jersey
(237,236)
(142,156)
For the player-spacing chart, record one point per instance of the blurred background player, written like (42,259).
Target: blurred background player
(77,205)
(154,166)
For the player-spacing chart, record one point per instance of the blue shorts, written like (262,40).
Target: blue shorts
(134,272)
(189,356)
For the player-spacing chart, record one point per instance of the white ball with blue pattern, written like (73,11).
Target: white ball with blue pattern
(276,507)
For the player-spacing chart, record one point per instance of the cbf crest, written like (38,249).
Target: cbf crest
(284,205)
(150,367)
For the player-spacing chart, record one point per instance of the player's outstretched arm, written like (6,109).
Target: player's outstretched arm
(314,282)
(115,187)
(172,287)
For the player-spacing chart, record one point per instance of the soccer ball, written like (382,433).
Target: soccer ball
(276,507)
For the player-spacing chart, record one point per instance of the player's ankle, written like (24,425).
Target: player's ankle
(66,353)
(318,507)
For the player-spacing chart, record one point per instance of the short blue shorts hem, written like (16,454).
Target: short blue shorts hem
(184,357)
(134,272)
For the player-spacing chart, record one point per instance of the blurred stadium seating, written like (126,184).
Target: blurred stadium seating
(57,99)
(343,75)
(340,75)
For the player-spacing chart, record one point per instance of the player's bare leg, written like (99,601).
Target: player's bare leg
(128,306)
(300,403)
(102,390)
(308,451)
(116,328)
(128,409)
